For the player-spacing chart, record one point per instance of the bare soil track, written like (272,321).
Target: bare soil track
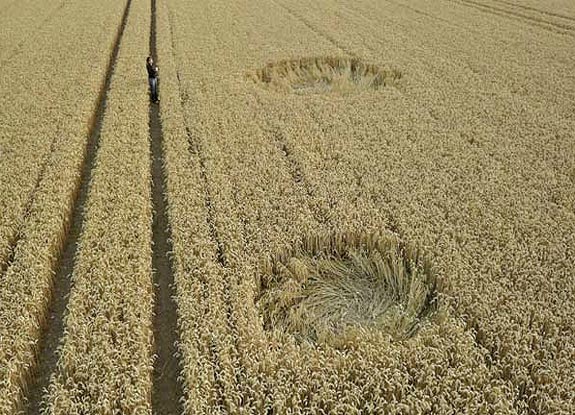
(167,388)
(54,325)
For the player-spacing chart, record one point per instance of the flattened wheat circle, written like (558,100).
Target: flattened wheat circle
(329,284)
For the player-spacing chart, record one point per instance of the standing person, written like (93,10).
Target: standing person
(152,79)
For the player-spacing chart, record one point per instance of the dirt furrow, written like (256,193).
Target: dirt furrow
(54,325)
(167,387)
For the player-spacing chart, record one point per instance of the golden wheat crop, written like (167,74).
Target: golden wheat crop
(370,207)
(22,22)
(52,93)
(106,351)
(440,158)
(46,146)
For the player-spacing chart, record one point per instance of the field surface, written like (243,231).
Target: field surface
(337,207)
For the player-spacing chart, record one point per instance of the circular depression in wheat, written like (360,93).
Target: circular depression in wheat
(328,285)
(316,75)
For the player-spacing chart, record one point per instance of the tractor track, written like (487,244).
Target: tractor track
(27,210)
(196,149)
(293,166)
(536,10)
(167,386)
(53,329)
(558,28)
(421,13)
(223,296)
(315,30)
(218,392)
(296,172)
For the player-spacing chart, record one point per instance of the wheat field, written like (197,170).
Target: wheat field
(337,207)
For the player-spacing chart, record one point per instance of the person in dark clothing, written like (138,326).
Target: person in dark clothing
(152,79)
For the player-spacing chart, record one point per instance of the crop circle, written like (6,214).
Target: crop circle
(328,285)
(315,75)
